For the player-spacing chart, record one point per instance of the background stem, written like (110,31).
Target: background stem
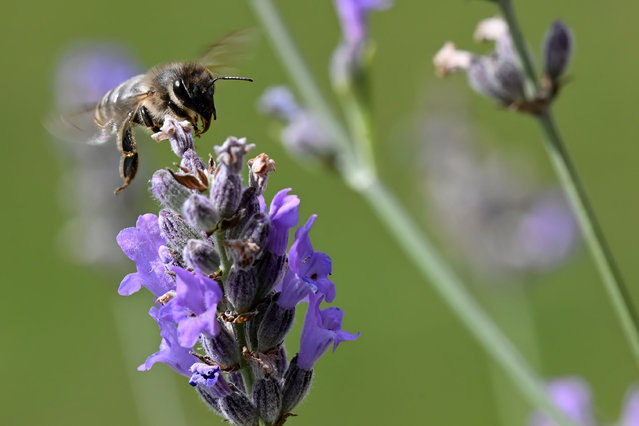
(571,184)
(406,232)
(610,274)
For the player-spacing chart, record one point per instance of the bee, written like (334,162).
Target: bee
(183,90)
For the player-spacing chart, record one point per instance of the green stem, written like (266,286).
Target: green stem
(245,369)
(310,93)
(409,236)
(565,170)
(224,257)
(452,290)
(593,234)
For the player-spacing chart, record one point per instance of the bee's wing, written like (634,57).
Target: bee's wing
(76,125)
(228,51)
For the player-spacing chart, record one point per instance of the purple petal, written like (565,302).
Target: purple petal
(630,415)
(132,283)
(170,353)
(283,214)
(353,15)
(573,396)
(321,327)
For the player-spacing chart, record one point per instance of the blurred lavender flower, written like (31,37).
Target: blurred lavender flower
(349,56)
(574,397)
(302,134)
(496,220)
(499,75)
(85,72)
(241,312)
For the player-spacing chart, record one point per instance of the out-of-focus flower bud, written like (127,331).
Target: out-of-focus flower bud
(557,50)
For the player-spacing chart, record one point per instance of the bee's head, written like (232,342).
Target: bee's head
(196,90)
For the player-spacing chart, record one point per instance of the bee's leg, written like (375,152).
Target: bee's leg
(129,159)
(144,118)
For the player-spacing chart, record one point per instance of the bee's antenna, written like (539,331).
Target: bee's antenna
(231,78)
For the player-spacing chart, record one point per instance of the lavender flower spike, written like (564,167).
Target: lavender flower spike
(194,307)
(321,327)
(142,245)
(170,353)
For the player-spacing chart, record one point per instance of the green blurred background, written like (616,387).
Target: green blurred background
(71,345)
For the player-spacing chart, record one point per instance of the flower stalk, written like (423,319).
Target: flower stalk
(572,186)
(407,233)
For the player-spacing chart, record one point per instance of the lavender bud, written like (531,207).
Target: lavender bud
(201,256)
(267,396)
(221,348)
(243,252)
(259,169)
(557,50)
(200,213)
(212,402)
(174,230)
(279,360)
(279,102)
(239,410)
(226,192)
(500,80)
(231,153)
(192,162)
(237,380)
(179,134)
(270,269)
(511,80)
(249,206)
(306,136)
(169,192)
(241,287)
(257,229)
(275,324)
(296,384)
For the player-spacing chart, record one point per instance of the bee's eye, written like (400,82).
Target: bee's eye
(180,91)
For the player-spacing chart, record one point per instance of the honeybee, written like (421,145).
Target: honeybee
(183,90)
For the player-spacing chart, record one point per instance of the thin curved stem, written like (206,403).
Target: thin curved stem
(572,186)
(593,234)
(409,236)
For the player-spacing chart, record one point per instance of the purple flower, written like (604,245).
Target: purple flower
(353,16)
(283,215)
(194,307)
(313,267)
(170,353)
(204,375)
(142,245)
(573,396)
(321,327)
(630,414)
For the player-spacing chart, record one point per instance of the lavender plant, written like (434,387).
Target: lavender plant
(227,285)
(508,76)
(354,160)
